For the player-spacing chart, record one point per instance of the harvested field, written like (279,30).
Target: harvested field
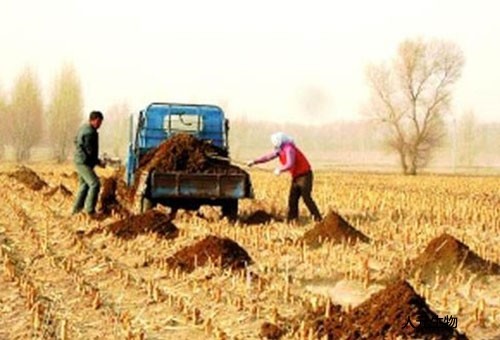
(116,281)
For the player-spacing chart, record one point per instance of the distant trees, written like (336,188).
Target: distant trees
(25,114)
(410,96)
(65,111)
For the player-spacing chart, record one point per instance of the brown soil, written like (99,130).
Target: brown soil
(259,217)
(29,178)
(445,253)
(110,199)
(385,315)
(333,228)
(151,221)
(270,331)
(188,154)
(222,252)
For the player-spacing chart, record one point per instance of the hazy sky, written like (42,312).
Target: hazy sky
(260,59)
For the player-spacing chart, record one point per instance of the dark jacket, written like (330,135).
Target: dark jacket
(87,146)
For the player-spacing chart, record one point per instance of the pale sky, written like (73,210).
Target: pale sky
(256,58)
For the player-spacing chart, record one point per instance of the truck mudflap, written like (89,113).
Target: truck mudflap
(197,185)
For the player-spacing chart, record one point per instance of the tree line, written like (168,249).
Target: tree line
(26,118)
(408,114)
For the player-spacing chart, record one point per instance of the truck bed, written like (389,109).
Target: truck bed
(199,185)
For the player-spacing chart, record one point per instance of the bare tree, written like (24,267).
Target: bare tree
(410,96)
(467,138)
(115,130)
(65,111)
(25,114)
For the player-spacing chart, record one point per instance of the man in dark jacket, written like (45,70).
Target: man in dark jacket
(86,158)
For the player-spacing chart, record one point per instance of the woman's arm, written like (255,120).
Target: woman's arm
(266,158)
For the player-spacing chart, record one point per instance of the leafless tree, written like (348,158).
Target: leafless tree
(25,114)
(65,111)
(410,96)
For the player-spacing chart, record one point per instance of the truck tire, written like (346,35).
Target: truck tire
(230,209)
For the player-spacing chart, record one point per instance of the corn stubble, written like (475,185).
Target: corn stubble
(72,286)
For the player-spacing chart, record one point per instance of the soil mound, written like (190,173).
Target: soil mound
(395,312)
(446,254)
(109,201)
(29,178)
(270,331)
(333,228)
(259,217)
(223,252)
(151,221)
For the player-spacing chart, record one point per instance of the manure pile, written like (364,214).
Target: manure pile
(447,254)
(384,316)
(152,221)
(333,228)
(29,178)
(222,252)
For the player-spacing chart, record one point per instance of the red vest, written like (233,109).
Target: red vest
(301,165)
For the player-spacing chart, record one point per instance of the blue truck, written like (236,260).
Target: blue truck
(178,189)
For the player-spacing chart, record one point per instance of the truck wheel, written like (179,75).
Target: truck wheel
(230,209)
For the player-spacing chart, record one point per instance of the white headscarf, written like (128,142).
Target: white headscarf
(278,138)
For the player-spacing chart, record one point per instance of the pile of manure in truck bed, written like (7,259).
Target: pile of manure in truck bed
(222,252)
(186,153)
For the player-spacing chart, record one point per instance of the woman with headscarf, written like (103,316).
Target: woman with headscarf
(294,161)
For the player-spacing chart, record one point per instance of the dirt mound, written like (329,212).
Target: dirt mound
(61,188)
(259,217)
(151,221)
(223,252)
(110,199)
(446,254)
(333,228)
(387,314)
(270,331)
(29,178)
